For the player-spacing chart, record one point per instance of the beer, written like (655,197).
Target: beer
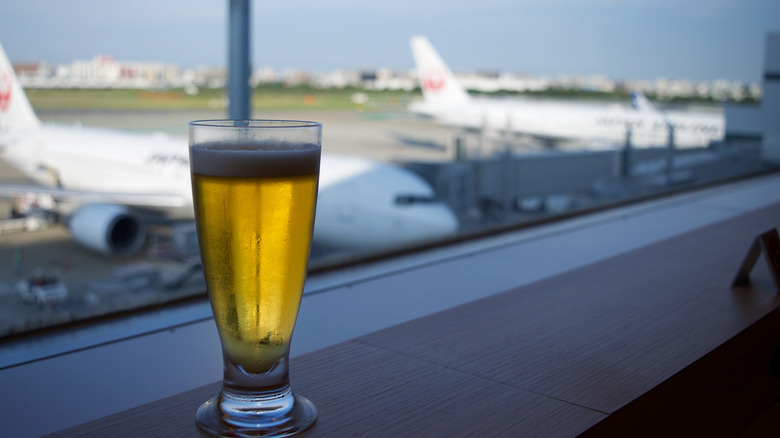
(254,189)
(255,213)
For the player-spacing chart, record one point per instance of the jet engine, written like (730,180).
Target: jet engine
(108,228)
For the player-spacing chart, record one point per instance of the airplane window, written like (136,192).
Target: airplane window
(95,204)
(414,199)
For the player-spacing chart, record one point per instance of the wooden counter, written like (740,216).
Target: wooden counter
(652,342)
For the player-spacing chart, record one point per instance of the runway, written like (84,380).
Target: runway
(383,135)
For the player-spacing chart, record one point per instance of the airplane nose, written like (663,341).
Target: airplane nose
(439,221)
(448,223)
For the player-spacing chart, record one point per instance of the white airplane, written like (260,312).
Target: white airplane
(103,180)
(448,102)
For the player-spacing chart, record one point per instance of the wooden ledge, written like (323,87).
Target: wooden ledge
(651,342)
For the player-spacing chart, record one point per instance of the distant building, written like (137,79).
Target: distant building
(103,71)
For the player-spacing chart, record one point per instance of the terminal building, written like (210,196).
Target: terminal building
(761,123)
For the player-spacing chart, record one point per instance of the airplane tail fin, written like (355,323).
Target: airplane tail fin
(640,103)
(438,84)
(15,109)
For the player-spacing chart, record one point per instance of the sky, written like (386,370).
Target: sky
(701,40)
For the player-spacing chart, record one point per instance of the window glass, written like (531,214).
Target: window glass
(95,214)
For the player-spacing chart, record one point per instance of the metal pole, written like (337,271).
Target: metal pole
(625,167)
(239,66)
(670,149)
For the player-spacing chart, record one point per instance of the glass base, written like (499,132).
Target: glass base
(256,415)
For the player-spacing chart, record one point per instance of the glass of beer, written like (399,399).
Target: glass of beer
(254,187)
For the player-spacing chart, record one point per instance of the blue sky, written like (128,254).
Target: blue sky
(622,39)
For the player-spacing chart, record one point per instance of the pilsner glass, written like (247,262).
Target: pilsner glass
(254,187)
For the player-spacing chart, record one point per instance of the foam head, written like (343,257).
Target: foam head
(254,148)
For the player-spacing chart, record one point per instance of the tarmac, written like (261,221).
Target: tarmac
(388,135)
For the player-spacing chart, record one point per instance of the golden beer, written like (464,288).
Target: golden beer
(255,236)
(254,191)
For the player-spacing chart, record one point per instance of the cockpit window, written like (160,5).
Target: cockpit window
(414,199)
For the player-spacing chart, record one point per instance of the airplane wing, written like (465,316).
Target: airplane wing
(148,200)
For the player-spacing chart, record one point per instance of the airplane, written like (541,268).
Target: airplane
(105,182)
(446,101)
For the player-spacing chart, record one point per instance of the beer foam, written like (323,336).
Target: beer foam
(256,160)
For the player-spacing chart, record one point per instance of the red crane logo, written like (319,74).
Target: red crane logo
(5,91)
(434,80)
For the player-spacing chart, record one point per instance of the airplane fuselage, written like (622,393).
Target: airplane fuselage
(448,102)
(363,204)
(568,121)
(76,158)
